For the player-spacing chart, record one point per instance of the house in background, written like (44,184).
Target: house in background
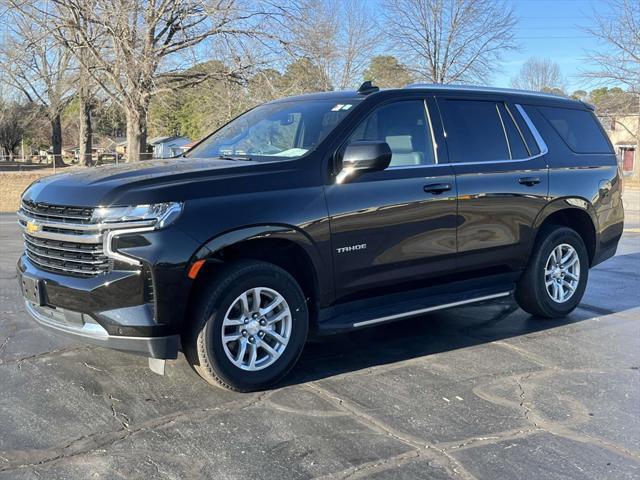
(187,146)
(623,132)
(167,147)
(102,148)
(121,147)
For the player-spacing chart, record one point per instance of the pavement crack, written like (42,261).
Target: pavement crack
(557,428)
(101,439)
(367,419)
(121,417)
(419,446)
(155,465)
(52,353)
(487,440)
(91,367)
(4,344)
(524,405)
(378,465)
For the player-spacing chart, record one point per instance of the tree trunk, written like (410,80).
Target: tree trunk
(56,140)
(137,134)
(86,129)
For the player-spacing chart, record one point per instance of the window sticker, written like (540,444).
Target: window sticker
(341,106)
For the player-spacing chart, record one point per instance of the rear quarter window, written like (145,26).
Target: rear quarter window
(578,128)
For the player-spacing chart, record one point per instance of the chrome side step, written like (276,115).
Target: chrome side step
(420,311)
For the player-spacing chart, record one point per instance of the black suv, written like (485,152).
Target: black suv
(324,213)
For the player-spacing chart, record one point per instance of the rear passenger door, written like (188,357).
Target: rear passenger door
(502,181)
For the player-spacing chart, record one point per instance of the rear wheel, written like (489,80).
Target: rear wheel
(251,326)
(555,279)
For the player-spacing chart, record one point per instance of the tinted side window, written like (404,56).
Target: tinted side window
(474,131)
(578,128)
(524,129)
(516,142)
(404,126)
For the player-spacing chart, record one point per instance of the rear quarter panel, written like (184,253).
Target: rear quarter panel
(590,182)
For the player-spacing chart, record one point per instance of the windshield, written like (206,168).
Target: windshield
(282,130)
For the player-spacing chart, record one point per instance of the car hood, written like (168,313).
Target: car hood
(136,183)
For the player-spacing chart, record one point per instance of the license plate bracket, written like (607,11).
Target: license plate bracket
(32,289)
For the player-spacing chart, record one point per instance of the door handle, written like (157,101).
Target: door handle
(529,181)
(437,188)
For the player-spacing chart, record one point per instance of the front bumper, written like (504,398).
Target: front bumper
(110,310)
(82,327)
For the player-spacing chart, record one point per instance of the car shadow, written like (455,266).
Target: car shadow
(421,336)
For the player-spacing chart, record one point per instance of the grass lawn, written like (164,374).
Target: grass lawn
(12,184)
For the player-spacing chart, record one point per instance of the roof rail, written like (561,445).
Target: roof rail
(477,88)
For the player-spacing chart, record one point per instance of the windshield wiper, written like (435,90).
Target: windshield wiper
(234,157)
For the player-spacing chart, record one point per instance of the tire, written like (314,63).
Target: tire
(229,301)
(535,290)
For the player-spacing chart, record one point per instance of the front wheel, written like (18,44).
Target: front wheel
(555,279)
(251,326)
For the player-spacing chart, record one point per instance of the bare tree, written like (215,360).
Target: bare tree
(12,116)
(617,61)
(540,75)
(358,41)
(615,105)
(336,36)
(85,99)
(37,65)
(313,31)
(449,41)
(148,46)
(86,94)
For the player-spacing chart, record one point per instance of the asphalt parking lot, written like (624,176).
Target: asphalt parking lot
(480,392)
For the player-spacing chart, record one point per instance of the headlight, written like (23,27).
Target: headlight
(159,215)
(116,221)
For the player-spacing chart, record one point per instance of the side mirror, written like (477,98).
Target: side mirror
(364,157)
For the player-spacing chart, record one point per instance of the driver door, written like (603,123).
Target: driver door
(394,227)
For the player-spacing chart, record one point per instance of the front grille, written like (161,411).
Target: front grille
(81,259)
(62,239)
(66,240)
(58,213)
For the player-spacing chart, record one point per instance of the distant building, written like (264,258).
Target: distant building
(121,147)
(623,132)
(167,147)
(109,144)
(187,146)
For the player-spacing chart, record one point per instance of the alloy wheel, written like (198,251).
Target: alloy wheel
(256,329)
(562,273)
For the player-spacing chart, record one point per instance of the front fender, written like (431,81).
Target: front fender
(286,232)
(322,268)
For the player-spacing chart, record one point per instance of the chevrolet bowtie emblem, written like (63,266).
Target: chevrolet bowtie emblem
(32,227)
